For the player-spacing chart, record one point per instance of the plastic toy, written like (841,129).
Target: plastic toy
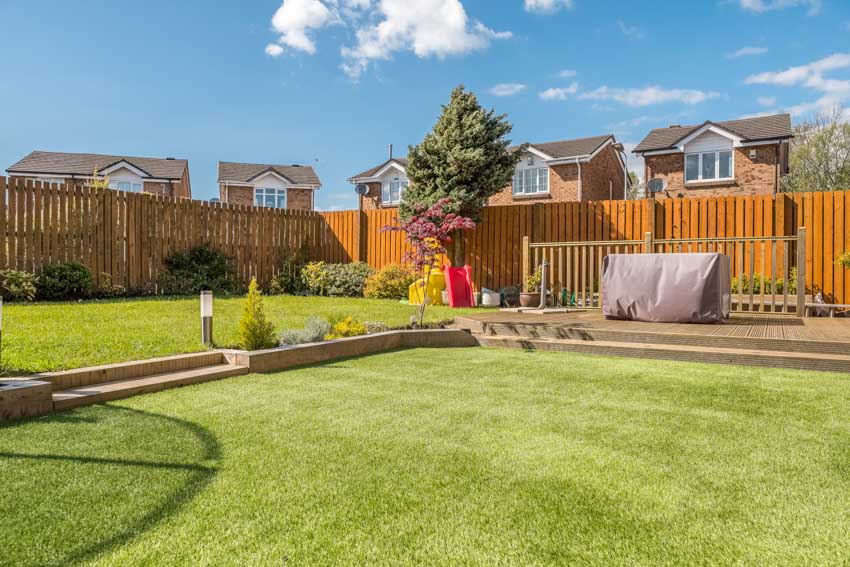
(459,286)
(436,285)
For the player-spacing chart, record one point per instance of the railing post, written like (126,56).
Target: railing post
(801,271)
(647,243)
(526,258)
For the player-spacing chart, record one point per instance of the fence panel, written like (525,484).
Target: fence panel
(128,236)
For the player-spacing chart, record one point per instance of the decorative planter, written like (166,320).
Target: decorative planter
(529,299)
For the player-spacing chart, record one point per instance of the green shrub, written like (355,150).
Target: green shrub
(107,288)
(390,282)
(314,331)
(16,285)
(255,332)
(201,268)
(335,280)
(347,327)
(844,259)
(288,279)
(67,280)
(769,285)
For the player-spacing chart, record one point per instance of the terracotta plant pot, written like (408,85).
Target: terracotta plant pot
(529,299)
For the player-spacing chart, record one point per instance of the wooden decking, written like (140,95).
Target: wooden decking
(756,340)
(740,325)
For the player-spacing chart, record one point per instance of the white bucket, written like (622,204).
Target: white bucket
(491,299)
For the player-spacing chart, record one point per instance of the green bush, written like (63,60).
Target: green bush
(288,279)
(769,285)
(67,280)
(347,327)
(16,285)
(107,288)
(255,332)
(390,282)
(201,268)
(314,331)
(335,280)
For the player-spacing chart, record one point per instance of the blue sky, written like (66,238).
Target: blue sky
(332,82)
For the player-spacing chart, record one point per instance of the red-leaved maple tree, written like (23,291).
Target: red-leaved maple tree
(428,232)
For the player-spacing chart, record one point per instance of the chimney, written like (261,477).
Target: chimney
(391,151)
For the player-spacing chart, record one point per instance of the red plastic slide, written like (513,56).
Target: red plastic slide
(459,286)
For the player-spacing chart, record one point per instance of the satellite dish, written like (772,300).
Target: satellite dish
(656,185)
(361,189)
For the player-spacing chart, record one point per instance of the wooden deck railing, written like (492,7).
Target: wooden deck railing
(762,267)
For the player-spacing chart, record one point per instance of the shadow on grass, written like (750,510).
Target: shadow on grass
(200,474)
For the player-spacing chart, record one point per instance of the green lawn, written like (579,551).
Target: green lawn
(458,457)
(40,337)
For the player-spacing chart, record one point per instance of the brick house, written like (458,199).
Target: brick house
(584,169)
(262,185)
(168,177)
(737,157)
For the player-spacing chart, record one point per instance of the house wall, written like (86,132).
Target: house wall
(183,188)
(244,195)
(757,176)
(371,200)
(601,178)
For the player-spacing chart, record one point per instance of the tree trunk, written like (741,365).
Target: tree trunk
(458,249)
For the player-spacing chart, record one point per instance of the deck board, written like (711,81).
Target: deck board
(739,325)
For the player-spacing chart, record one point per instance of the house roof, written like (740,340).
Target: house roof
(565,149)
(59,163)
(402,161)
(749,129)
(246,172)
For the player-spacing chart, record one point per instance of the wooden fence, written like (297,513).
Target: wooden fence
(127,235)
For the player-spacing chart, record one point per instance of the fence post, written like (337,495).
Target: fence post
(647,243)
(801,271)
(526,250)
(358,236)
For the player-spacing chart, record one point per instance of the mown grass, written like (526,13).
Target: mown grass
(39,337)
(449,457)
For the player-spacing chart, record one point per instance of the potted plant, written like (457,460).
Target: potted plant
(531,298)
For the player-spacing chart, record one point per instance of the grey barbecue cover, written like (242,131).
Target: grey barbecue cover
(671,288)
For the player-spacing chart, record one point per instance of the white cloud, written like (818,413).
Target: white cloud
(630,31)
(766,100)
(274,49)
(547,6)
(760,6)
(559,93)
(648,95)
(507,89)
(833,91)
(428,28)
(436,28)
(567,74)
(295,18)
(747,52)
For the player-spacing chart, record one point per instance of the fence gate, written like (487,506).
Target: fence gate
(765,269)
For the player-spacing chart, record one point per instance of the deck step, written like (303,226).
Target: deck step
(118,389)
(829,362)
(590,334)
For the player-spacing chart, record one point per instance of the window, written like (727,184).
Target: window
(127,186)
(392,190)
(531,181)
(50,180)
(269,197)
(709,166)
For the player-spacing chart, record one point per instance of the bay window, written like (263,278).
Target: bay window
(127,186)
(709,166)
(270,197)
(392,190)
(531,181)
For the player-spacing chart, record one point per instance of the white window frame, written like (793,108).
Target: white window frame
(387,190)
(276,191)
(117,186)
(715,179)
(535,190)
